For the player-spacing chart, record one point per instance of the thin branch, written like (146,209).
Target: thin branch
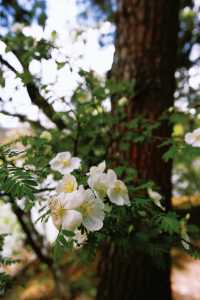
(23,118)
(32,241)
(42,103)
(35,96)
(8,65)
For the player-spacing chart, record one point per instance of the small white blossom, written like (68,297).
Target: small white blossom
(65,163)
(118,193)
(193,138)
(67,185)
(92,210)
(79,238)
(63,211)
(17,27)
(46,135)
(156,197)
(122,101)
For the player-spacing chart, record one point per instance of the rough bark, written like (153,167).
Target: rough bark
(146,44)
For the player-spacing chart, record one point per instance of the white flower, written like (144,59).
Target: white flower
(100,182)
(156,197)
(46,135)
(63,211)
(118,193)
(65,163)
(100,168)
(79,238)
(67,185)
(17,27)
(193,138)
(92,210)
(69,210)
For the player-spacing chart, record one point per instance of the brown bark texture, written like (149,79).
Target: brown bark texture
(146,46)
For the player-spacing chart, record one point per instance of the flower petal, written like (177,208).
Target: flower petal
(67,185)
(115,198)
(154,195)
(75,162)
(196,132)
(71,220)
(111,176)
(196,143)
(92,223)
(100,168)
(189,138)
(73,200)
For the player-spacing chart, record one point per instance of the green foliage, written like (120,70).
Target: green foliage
(169,223)
(64,242)
(14,181)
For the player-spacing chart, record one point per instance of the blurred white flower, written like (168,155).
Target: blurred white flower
(35,67)
(9,225)
(17,27)
(92,210)
(65,163)
(193,138)
(122,101)
(67,185)
(63,211)
(118,193)
(155,197)
(46,135)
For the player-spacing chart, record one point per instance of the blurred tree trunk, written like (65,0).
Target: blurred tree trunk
(146,46)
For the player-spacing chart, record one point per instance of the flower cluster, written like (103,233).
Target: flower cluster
(73,204)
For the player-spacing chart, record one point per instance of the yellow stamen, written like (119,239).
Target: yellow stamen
(65,162)
(69,187)
(86,209)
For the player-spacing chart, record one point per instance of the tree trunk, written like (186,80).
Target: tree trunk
(146,45)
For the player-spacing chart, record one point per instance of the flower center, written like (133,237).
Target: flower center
(57,209)
(69,187)
(101,189)
(118,188)
(86,209)
(197,138)
(65,162)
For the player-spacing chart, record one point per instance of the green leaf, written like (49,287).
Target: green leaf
(67,233)
(169,223)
